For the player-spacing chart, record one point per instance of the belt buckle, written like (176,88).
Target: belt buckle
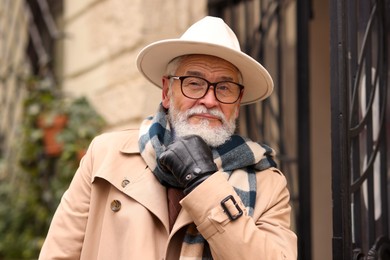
(226,210)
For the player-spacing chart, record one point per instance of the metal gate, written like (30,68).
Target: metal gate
(360,33)
(266,32)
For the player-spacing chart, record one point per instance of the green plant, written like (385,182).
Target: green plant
(83,124)
(43,103)
(26,213)
(30,196)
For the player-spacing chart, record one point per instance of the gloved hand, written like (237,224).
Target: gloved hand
(190,160)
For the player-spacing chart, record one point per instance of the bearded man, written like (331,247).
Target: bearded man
(183,186)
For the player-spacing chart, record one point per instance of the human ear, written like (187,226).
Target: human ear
(165,92)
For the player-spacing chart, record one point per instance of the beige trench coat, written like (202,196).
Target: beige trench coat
(116,209)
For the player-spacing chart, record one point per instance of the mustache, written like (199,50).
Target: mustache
(203,110)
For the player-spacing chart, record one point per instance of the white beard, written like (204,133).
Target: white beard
(213,136)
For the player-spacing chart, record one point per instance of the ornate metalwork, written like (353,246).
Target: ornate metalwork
(380,250)
(360,81)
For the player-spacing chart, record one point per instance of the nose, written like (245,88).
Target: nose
(209,99)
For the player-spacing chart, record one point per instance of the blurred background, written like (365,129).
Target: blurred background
(68,73)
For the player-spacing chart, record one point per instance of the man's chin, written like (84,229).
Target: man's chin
(213,136)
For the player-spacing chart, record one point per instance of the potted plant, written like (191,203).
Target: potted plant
(57,132)
(83,124)
(44,116)
(51,126)
(33,191)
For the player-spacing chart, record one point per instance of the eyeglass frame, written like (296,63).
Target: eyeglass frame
(209,84)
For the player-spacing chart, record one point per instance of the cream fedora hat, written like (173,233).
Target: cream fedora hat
(209,36)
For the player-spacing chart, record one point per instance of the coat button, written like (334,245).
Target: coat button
(125,182)
(116,205)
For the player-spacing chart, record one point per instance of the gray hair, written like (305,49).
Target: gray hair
(171,69)
(173,65)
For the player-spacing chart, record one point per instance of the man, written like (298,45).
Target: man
(233,201)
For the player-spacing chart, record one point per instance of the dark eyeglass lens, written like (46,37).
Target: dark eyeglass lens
(226,92)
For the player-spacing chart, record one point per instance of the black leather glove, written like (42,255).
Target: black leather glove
(190,160)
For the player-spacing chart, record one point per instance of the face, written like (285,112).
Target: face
(205,116)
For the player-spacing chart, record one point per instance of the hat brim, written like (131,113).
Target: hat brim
(153,59)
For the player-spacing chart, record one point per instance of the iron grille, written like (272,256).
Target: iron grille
(359,82)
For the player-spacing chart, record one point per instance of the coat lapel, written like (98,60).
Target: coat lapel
(130,175)
(182,220)
(146,189)
(151,194)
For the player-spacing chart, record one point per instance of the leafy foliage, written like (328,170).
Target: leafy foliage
(30,196)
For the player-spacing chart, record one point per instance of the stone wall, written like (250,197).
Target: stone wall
(102,40)
(13,70)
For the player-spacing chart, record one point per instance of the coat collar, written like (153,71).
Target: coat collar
(130,145)
(143,186)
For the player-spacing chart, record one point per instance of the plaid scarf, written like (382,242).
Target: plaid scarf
(236,153)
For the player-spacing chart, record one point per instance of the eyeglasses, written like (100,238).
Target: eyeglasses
(193,87)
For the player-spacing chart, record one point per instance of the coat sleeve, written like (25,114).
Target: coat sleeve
(66,233)
(265,236)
